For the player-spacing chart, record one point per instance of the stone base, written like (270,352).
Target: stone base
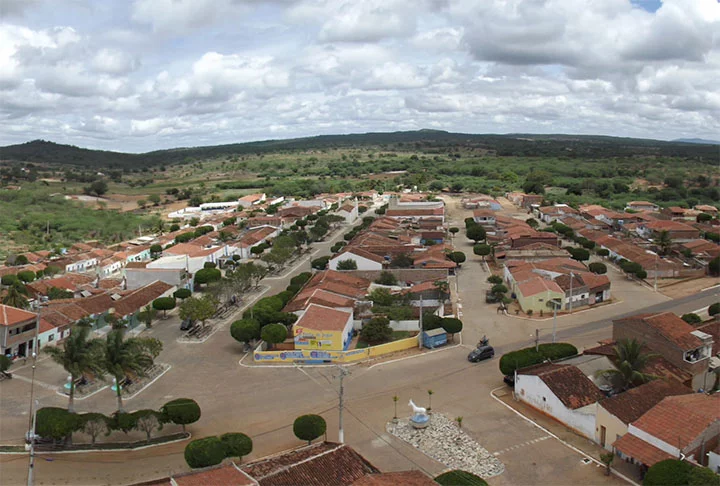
(419,425)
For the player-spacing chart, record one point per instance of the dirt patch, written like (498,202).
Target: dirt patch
(688,287)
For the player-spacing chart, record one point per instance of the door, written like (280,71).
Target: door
(603,433)
(22,350)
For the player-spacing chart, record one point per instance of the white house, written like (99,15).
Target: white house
(562,392)
(362,258)
(349,211)
(188,256)
(252,200)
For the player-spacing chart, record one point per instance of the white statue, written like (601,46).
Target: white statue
(417,410)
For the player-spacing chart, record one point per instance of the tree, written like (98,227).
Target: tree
(381,296)
(630,361)
(703,218)
(55,293)
(495,279)
(714,267)
(309,427)
(376,331)
(475,233)
(458,257)
(452,326)
(482,250)
(598,268)
(174,227)
(532,222)
(245,330)
(607,459)
(207,275)
(182,294)
(348,264)
(94,424)
(274,333)
(9,280)
(579,254)
(26,276)
(147,315)
(499,289)
(155,250)
(457,477)
(164,304)
(236,445)
(603,252)
(714,309)
(670,472)
(386,278)
(320,263)
(98,188)
(56,423)
(454,230)
(141,203)
(206,452)
(79,356)
(401,260)
(155,199)
(5,363)
(431,321)
(692,318)
(14,298)
(130,357)
(664,242)
(148,421)
(181,411)
(703,476)
(197,309)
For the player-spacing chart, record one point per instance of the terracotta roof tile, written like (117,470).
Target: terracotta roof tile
(320,297)
(321,318)
(632,404)
(567,382)
(361,253)
(9,316)
(225,475)
(401,478)
(640,450)
(670,326)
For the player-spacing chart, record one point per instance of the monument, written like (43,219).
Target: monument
(420,418)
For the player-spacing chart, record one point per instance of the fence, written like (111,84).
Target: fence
(317,356)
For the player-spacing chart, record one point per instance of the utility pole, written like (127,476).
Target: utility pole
(656,271)
(341,404)
(537,339)
(571,295)
(555,307)
(31,466)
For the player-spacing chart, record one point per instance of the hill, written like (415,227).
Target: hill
(422,141)
(697,140)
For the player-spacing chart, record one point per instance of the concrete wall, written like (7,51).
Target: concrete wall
(349,356)
(533,391)
(714,462)
(362,262)
(614,427)
(140,277)
(411,325)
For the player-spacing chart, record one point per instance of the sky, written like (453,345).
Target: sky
(141,75)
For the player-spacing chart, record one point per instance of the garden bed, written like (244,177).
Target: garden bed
(111,445)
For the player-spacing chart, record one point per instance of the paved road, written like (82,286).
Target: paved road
(263,402)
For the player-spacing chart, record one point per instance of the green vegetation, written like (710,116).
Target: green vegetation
(181,411)
(630,361)
(692,318)
(245,330)
(236,444)
(377,331)
(205,452)
(674,472)
(309,427)
(522,358)
(459,478)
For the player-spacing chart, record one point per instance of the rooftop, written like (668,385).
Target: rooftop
(669,326)
(400,478)
(10,316)
(321,318)
(632,404)
(567,382)
(640,450)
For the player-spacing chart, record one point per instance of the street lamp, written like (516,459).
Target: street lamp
(31,439)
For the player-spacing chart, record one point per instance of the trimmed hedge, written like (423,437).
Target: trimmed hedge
(209,451)
(459,478)
(523,358)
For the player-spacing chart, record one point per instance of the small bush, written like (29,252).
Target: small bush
(459,478)
(386,278)
(300,279)
(309,427)
(181,411)
(495,279)
(236,444)
(209,451)
(523,358)
(692,318)
(714,309)
(376,331)
(56,423)
(598,268)
(320,263)
(182,293)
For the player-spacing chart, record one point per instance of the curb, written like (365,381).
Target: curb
(85,451)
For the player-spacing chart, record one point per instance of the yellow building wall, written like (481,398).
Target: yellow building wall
(305,354)
(306,338)
(537,302)
(614,427)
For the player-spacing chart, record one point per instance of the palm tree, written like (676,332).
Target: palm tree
(14,298)
(128,357)
(78,355)
(629,361)
(664,242)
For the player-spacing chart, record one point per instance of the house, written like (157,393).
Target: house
(678,232)
(416,210)
(251,239)
(362,258)
(17,331)
(616,413)
(139,274)
(525,201)
(484,217)
(534,294)
(81,262)
(642,206)
(349,211)
(675,340)
(48,334)
(705,208)
(251,200)
(482,202)
(323,328)
(40,288)
(195,256)
(550,214)
(685,426)
(561,391)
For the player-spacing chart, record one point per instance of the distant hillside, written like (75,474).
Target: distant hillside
(421,141)
(697,140)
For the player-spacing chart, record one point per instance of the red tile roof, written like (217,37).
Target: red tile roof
(537,285)
(666,225)
(141,297)
(632,404)
(669,326)
(361,253)
(225,475)
(568,383)
(319,464)
(679,420)
(10,316)
(401,478)
(321,318)
(320,297)
(640,450)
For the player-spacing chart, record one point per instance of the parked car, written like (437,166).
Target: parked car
(186,324)
(481,353)
(509,380)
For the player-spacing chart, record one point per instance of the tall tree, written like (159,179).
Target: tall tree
(78,355)
(664,242)
(130,357)
(630,361)
(14,298)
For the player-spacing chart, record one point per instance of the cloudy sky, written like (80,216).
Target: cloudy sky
(137,75)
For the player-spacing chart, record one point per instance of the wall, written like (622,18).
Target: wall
(403,274)
(714,462)
(537,302)
(533,391)
(405,325)
(614,427)
(333,356)
(140,277)
(362,262)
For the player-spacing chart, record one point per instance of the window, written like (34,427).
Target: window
(51,337)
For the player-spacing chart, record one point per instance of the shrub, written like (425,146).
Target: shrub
(182,294)
(458,257)
(184,237)
(94,424)
(523,358)
(26,276)
(702,476)
(579,254)
(209,451)
(309,427)
(714,309)
(147,421)
(236,444)
(386,278)
(274,333)
(381,296)
(669,472)
(431,321)
(181,411)
(293,288)
(714,266)
(603,252)
(320,263)
(245,330)
(495,279)
(209,265)
(5,363)
(347,265)
(285,296)
(452,325)
(475,233)
(156,249)
(9,280)
(301,279)
(597,267)
(56,423)
(207,275)
(692,318)
(376,331)
(482,249)
(459,478)
(499,289)
(164,304)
